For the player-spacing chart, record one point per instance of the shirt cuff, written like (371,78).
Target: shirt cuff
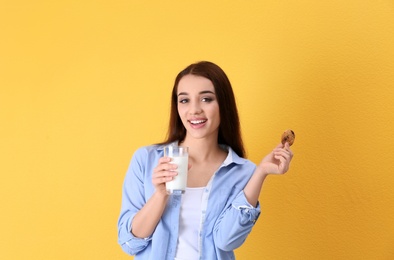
(248,212)
(134,237)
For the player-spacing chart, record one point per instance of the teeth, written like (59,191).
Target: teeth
(195,122)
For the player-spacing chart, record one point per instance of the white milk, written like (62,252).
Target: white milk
(179,182)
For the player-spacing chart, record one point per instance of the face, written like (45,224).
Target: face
(198,107)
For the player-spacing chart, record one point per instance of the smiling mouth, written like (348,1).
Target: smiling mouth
(197,122)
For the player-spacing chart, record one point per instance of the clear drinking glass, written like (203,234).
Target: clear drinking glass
(180,156)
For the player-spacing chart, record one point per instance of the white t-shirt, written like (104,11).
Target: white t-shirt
(189,224)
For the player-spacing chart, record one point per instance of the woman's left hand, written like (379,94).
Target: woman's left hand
(278,161)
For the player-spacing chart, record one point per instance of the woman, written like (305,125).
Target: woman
(220,205)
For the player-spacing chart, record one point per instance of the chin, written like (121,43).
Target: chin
(201,135)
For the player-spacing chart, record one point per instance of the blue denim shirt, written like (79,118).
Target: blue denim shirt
(227,217)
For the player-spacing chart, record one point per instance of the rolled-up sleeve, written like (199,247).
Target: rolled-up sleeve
(132,201)
(236,223)
(129,243)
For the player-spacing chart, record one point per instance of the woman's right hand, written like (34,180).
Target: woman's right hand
(164,171)
(146,219)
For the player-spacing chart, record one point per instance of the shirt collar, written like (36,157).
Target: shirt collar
(232,157)
(161,146)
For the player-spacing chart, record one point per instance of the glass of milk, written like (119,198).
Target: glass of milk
(180,156)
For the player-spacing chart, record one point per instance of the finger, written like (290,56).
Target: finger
(169,167)
(165,179)
(284,154)
(287,148)
(283,164)
(164,159)
(161,180)
(287,155)
(163,176)
(165,166)
(161,164)
(165,173)
(280,145)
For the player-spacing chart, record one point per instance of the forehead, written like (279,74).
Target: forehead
(192,84)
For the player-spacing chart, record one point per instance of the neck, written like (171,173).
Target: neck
(202,149)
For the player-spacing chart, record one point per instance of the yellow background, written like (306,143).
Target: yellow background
(85,83)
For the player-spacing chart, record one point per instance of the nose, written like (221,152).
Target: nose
(195,108)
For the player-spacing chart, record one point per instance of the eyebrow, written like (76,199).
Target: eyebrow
(202,92)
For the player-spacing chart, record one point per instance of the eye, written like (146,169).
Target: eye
(207,99)
(183,101)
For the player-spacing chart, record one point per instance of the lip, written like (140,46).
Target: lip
(197,122)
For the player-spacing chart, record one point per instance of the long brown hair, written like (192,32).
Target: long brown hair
(229,129)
